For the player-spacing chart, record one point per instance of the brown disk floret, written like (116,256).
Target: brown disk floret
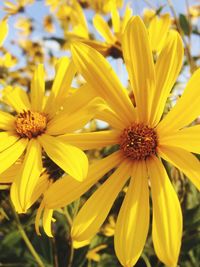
(138,142)
(30,124)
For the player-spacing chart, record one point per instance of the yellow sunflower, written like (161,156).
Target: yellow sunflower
(34,128)
(143,138)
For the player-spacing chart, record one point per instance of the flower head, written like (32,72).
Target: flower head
(34,129)
(143,138)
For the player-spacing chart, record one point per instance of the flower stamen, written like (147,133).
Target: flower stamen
(138,142)
(30,124)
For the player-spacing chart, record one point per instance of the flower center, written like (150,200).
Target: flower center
(138,142)
(30,124)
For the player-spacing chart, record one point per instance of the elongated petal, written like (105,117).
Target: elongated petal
(187,139)
(65,156)
(102,27)
(95,210)
(69,189)
(140,66)
(28,177)
(4,31)
(115,18)
(38,88)
(133,219)
(17,98)
(107,85)
(66,123)
(184,161)
(92,140)
(167,216)
(64,74)
(158,30)
(186,109)
(11,154)
(126,17)
(7,139)
(47,219)
(6,121)
(167,69)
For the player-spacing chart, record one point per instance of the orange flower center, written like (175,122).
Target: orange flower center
(30,124)
(138,142)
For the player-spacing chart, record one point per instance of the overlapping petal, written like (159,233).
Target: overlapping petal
(139,63)
(186,109)
(69,189)
(167,68)
(6,121)
(133,219)
(95,210)
(65,156)
(184,161)
(167,216)
(38,88)
(99,74)
(92,140)
(27,178)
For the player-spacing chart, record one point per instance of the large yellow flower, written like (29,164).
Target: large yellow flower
(143,138)
(35,126)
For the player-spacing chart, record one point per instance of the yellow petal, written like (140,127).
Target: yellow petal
(140,66)
(167,216)
(102,27)
(6,121)
(17,98)
(186,109)
(64,122)
(11,154)
(92,140)
(183,160)
(106,83)
(111,117)
(47,219)
(115,19)
(4,31)
(65,156)
(64,74)
(126,17)
(9,175)
(7,139)
(38,88)
(95,210)
(69,189)
(167,68)
(28,177)
(187,138)
(133,219)
(158,30)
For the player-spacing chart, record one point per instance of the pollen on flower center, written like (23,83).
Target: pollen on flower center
(30,124)
(138,142)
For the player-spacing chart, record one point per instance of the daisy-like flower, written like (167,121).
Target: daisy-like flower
(34,128)
(143,138)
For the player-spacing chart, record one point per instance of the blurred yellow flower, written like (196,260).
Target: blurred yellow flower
(48,24)
(4,30)
(16,7)
(24,24)
(143,138)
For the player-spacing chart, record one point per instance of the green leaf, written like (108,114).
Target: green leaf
(185,26)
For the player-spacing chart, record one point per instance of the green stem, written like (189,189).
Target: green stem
(26,240)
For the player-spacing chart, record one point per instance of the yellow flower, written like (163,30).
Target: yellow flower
(35,128)
(113,39)
(13,8)
(48,24)
(93,253)
(24,25)
(7,60)
(103,6)
(143,138)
